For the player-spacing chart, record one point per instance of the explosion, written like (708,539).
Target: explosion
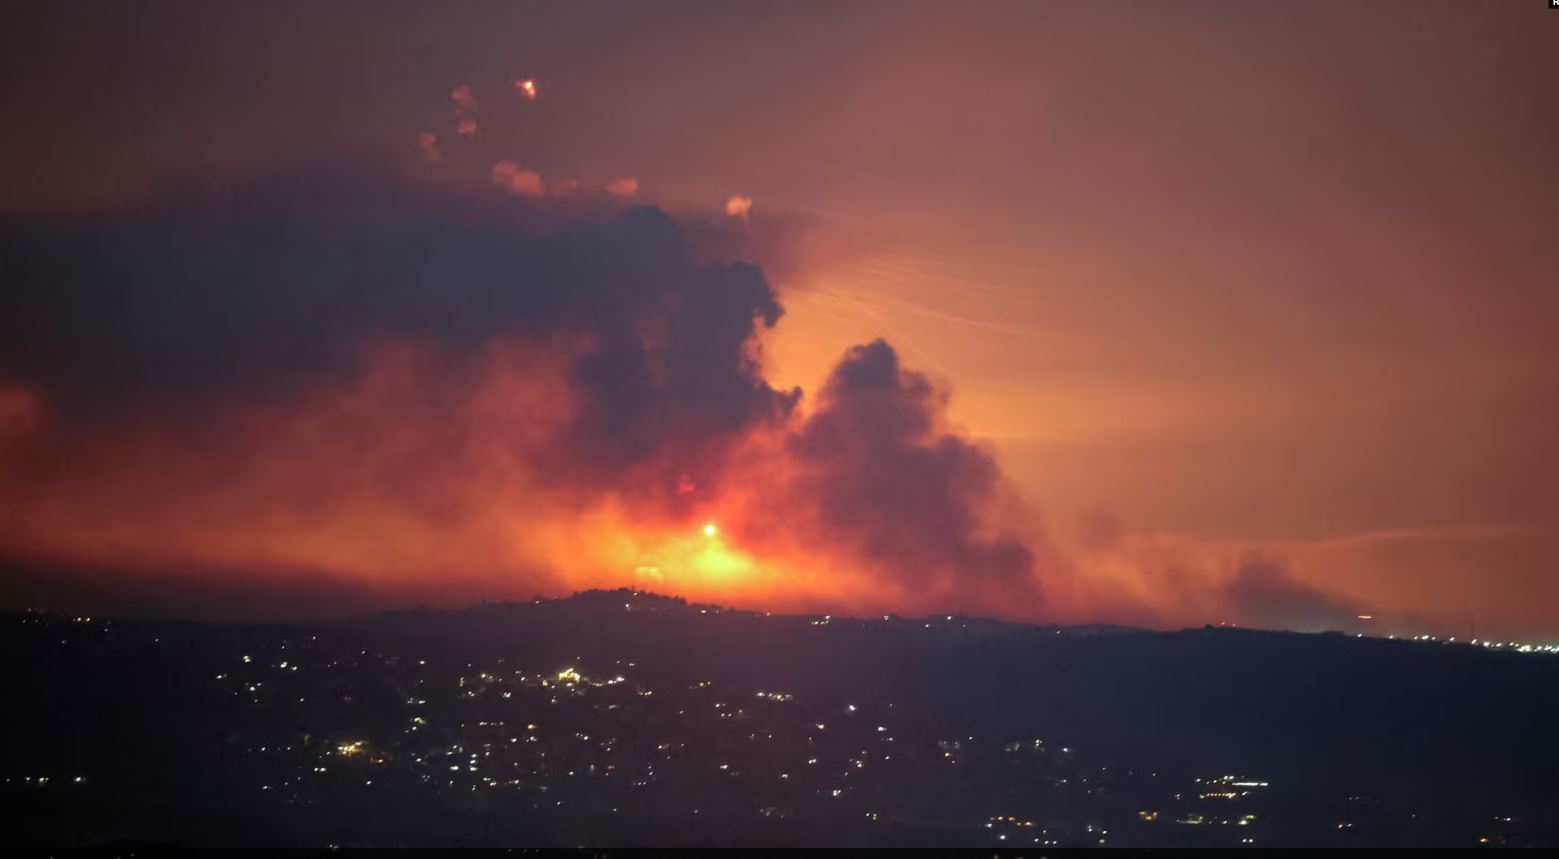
(333,378)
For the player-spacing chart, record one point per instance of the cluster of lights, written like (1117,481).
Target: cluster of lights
(1517,646)
(1226,786)
(1512,646)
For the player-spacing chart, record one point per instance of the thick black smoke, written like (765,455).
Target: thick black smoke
(880,472)
(260,290)
(261,293)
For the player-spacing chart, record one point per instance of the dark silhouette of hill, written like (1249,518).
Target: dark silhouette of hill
(621,718)
(1368,716)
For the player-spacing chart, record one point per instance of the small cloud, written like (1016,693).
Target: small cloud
(427,141)
(738,206)
(567,186)
(464,98)
(467,127)
(517,180)
(627,186)
(526,87)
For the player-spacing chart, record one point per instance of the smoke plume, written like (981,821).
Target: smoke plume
(419,393)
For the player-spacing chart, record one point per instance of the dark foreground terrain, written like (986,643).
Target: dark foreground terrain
(621,718)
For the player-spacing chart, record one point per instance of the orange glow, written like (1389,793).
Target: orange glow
(1240,312)
(406,512)
(738,206)
(409,512)
(625,187)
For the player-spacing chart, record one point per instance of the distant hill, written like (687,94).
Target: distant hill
(1364,715)
(684,716)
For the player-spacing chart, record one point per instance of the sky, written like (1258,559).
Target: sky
(1196,312)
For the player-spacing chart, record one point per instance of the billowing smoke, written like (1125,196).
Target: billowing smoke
(429,394)
(875,471)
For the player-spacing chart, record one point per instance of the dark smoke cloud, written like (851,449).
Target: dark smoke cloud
(881,473)
(258,290)
(224,327)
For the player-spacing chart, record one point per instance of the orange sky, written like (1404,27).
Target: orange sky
(1233,277)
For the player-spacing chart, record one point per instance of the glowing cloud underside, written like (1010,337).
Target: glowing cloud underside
(337,377)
